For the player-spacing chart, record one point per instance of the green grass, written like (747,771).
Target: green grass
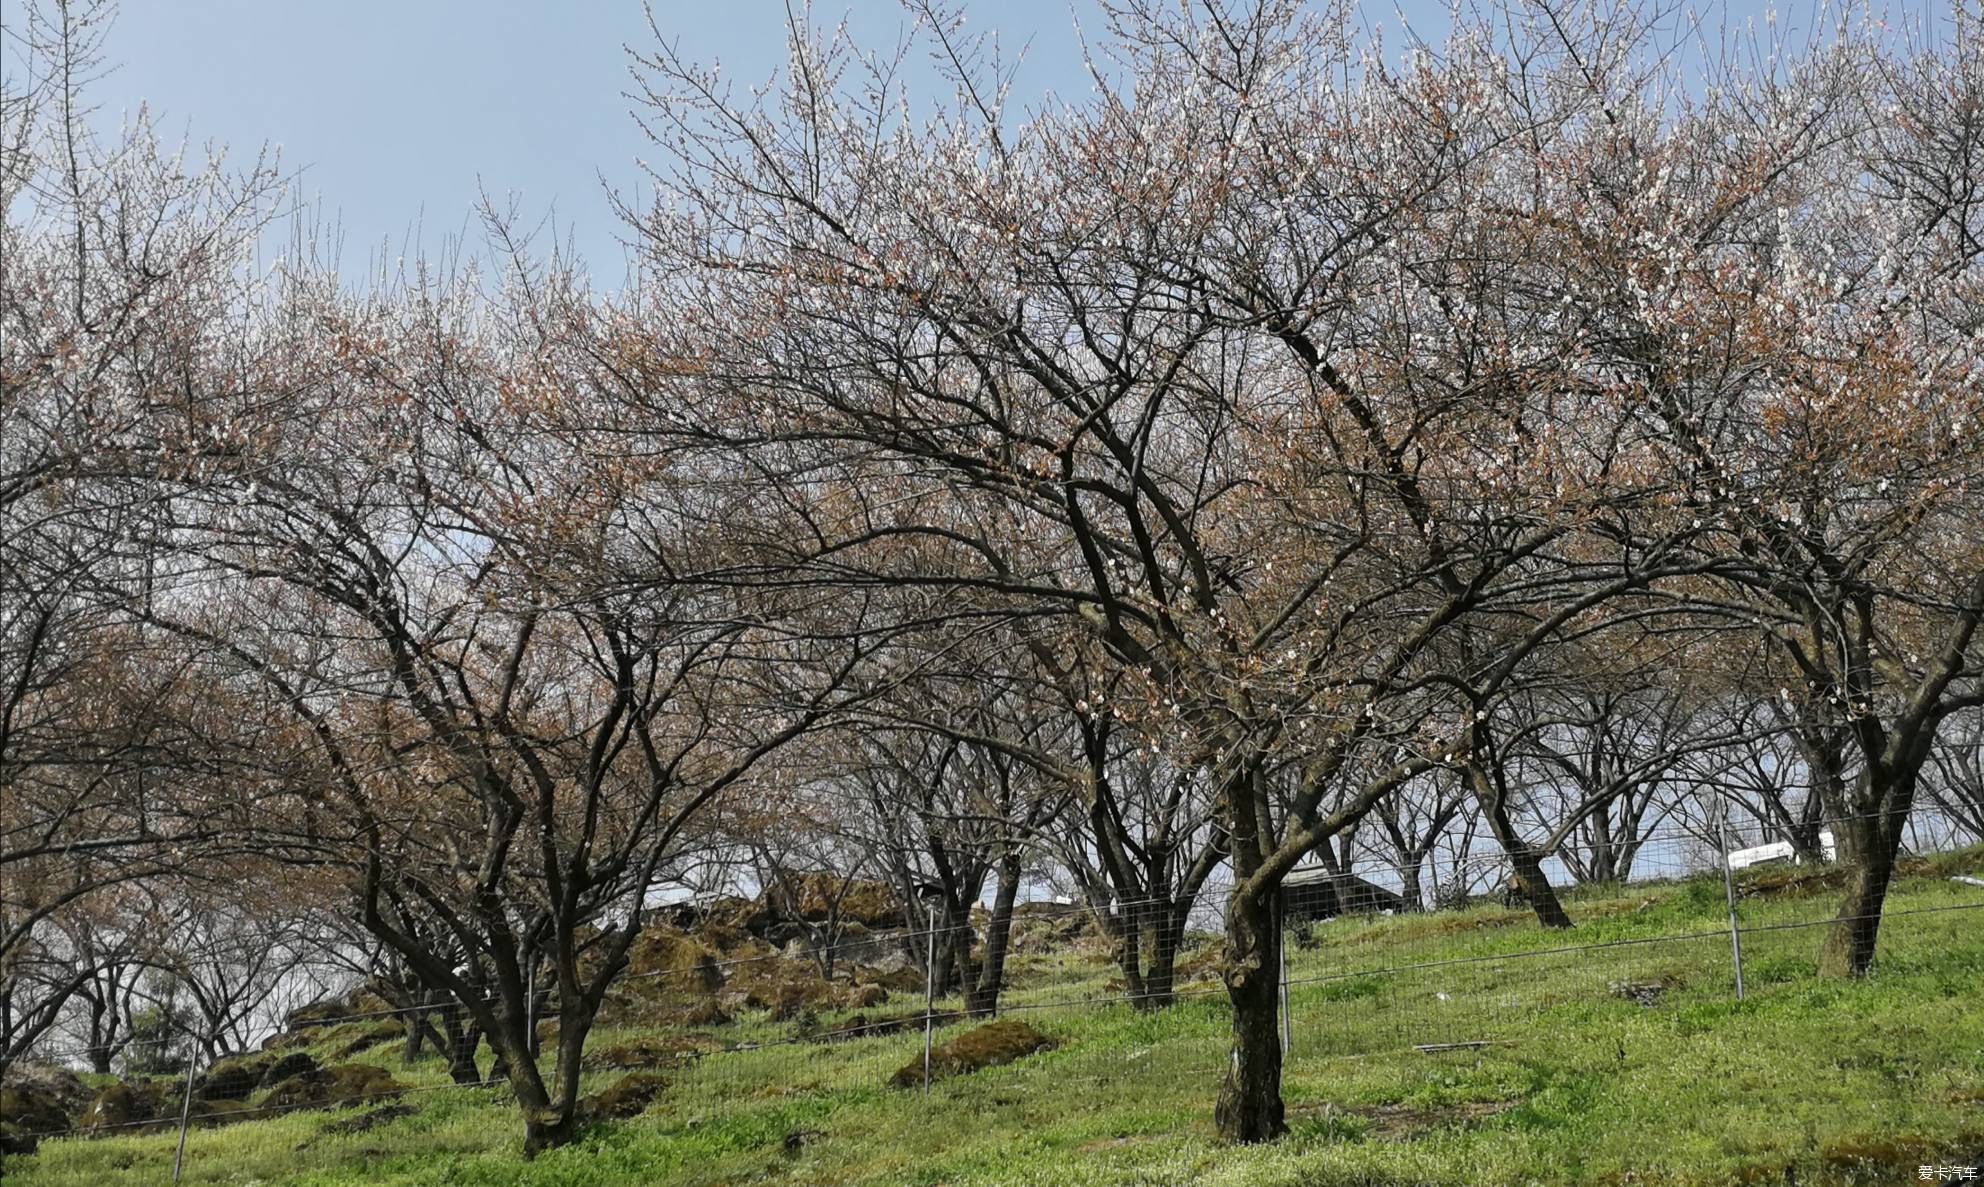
(1824,1081)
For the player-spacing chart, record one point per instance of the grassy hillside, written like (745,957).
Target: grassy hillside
(1629,1063)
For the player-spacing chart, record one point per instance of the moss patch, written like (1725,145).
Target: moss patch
(990,1045)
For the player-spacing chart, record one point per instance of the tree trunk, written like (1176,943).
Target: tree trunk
(981,996)
(103,1030)
(1874,840)
(1411,892)
(416,1036)
(550,1114)
(463,1036)
(1160,976)
(461,1059)
(1528,864)
(1249,1107)
(1536,887)
(1129,936)
(964,965)
(546,1131)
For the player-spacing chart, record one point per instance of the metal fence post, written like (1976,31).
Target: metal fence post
(530,1006)
(1281,960)
(185,1113)
(1729,896)
(929,990)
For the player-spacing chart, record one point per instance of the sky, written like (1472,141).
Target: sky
(393,116)
(396,114)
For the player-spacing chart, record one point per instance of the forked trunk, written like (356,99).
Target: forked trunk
(547,1131)
(550,1109)
(1848,950)
(1249,1107)
(981,997)
(1536,888)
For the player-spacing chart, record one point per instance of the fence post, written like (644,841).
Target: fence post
(1729,896)
(530,1006)
(929,988)
(1281,972)
(185,1112)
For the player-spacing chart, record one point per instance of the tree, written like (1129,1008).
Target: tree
(119,296)
(1237,366)
(509,674)
(1786,281)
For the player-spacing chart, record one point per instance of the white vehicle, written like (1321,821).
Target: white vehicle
(1780,851)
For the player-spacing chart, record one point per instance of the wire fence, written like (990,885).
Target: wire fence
(1078,971)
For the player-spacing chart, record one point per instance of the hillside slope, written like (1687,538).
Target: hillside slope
(1615,1054)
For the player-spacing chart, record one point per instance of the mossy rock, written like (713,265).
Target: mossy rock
(295,1063)
(785,989)
(354,1038)
(990,1045)
(344,1083)
(47,1080)
(220,1112)
(701,1012)
(629,1096)
(653,1051)
(819,897)
(37,1100)
(125,1106)
(316,1014)
(234,1078)
(368,1121)
(906,979)
(673,962)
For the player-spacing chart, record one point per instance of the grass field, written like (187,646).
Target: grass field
(1628,1063)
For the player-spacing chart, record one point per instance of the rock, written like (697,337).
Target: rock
(673,962)
(343,1083)
(218,1112)
(817,898)
(894,962)
(296,1063)
(357,1037)
(653,1051)
(1645,993)
(899,978)
(234,1078)
(861,1026)
(48,1080)
(626,1097)
(125,1106)
(322,1013)
(37,1099)
(991,1045)
(703,1012)
(369,1120)
(784,989)
(284,1040)
(797,1139)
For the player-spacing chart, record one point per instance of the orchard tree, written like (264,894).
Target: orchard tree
(1784,281)
(510,665)
(1241,364)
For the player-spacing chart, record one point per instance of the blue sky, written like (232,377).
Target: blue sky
(394,112)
